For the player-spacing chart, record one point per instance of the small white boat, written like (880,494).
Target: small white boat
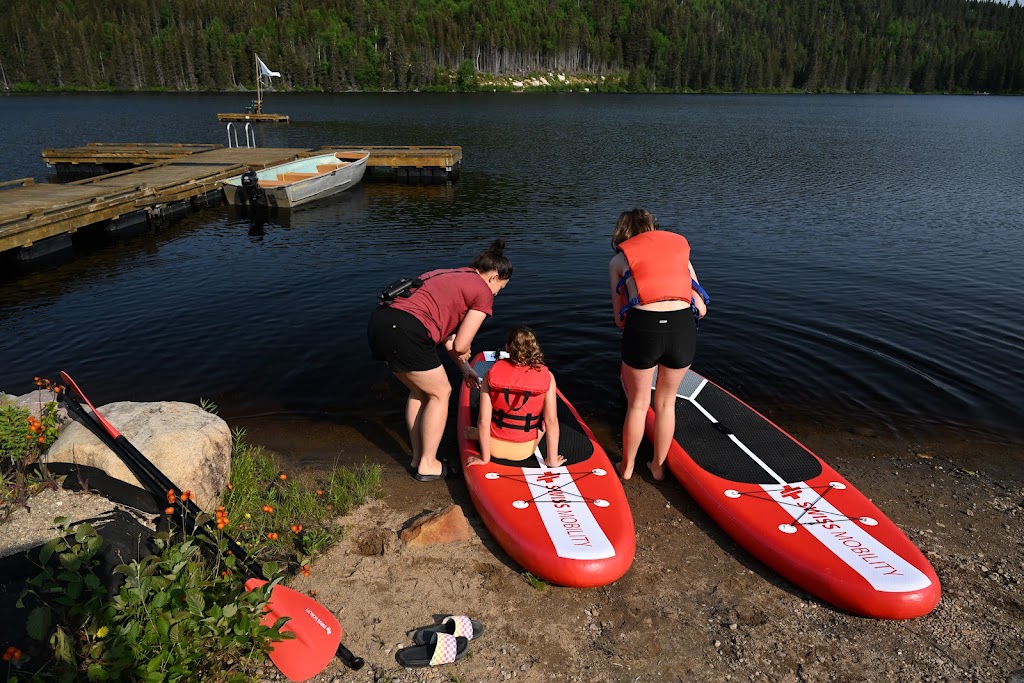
(297,182)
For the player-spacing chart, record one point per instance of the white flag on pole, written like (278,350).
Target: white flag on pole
(265,71)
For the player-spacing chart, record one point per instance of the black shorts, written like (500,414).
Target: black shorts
(652,338)
(401,341)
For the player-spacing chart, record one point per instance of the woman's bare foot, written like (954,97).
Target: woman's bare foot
(471,433)
(657,471)
(624,473)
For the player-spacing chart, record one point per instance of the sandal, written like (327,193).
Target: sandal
(458,626)
(442,648)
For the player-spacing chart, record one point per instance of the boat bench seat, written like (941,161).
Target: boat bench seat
(327,168)
(293,177)
(272,183)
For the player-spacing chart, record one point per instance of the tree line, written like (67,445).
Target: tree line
(636,45)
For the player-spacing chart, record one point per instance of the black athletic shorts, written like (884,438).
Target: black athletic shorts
(652,338)
(401,341)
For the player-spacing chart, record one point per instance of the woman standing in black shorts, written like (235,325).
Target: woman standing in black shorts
(652,292)
(448,307)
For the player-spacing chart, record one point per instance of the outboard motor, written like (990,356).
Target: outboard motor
(251,185)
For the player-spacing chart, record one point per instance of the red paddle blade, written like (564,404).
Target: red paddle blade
(317,632)
(71,385)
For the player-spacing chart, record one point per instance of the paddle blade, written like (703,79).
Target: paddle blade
(317,632)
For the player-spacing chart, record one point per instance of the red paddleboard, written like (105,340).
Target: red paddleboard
(568,525)
(791,510)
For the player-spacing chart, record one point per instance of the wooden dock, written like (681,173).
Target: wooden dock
(161,183)
(267,118)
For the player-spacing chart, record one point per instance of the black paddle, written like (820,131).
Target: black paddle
(297,658)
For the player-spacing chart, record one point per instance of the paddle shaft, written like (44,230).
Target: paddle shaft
(158,484)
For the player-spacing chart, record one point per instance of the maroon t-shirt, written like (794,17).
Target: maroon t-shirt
(445,298)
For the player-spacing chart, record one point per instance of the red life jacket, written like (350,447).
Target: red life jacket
(517,396)
(659,263)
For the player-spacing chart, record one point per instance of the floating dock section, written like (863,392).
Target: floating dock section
(160,183)
(266,118)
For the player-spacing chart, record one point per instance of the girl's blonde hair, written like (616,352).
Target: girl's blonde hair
(631,223)
(523,349)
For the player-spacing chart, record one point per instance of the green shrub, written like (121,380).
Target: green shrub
(23,438)
(174,618)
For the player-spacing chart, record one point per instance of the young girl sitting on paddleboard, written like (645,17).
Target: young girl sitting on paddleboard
(518,405)
(653,288)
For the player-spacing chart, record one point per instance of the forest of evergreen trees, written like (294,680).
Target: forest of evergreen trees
(639,45)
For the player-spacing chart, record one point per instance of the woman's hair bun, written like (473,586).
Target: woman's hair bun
(498,247)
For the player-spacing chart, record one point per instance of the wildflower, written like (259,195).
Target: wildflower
(282,476)
(272,536)
(169,510)
(296,528)
(42,439)
(268,509)
(248,516)
(226,572)
(305,570)
(186,495)
(12,653)
(230,487)
(170,496)
(319,492)
(102,632)
(222,517)
(312,592)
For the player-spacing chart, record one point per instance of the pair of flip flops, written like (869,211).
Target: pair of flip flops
(440,643)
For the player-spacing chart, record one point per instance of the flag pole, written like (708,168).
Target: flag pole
(259,83)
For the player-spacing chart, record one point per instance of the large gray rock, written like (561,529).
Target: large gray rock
(189,445)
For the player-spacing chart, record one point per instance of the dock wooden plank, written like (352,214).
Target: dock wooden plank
(123,152)
(397,156)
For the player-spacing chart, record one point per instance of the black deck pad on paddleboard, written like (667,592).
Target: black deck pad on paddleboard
(710,447)
(573,444)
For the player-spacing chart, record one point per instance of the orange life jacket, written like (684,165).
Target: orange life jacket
(659,263)
(517,396)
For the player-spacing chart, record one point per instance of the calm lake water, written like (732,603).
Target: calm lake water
(863,253)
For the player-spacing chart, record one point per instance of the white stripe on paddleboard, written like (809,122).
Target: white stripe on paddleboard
(570,524)
(882,568)
(692,398)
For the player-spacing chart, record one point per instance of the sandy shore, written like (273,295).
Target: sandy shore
(694,606)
